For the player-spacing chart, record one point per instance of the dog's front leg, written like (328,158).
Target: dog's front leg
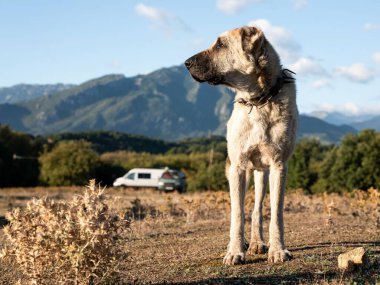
(277,249)
(236,247)
(257,244)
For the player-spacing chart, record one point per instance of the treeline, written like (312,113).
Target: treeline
(354,164)
(73,158)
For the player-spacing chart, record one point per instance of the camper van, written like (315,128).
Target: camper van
(140,177)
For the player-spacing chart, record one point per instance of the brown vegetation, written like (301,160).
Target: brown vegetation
(66,242)
(182,238)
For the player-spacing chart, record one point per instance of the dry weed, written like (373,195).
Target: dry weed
(73,242)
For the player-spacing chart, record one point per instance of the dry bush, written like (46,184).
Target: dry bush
(73,242)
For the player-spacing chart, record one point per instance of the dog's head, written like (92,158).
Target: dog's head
(241,58)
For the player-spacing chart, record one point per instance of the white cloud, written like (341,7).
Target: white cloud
(307,66)
(299,4)
(376,57)
(161,19)
(356,72)
(150,12)
(320,83)
(289,49)
(351,109)
(371,27)
(280,38)
(234,6)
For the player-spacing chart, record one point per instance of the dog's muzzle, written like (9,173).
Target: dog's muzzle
(194,70)
(200,69)
(189,63)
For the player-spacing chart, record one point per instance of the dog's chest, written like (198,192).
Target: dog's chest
(257,137)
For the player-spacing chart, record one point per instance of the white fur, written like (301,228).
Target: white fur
(261,140)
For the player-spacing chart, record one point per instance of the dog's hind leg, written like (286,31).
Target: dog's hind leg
(277,250)
(236,247)
(257,245)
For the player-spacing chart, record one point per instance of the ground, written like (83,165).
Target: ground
(182,239)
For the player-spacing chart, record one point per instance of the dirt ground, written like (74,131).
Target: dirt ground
(181,239)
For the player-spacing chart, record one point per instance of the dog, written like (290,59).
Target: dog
(261,132)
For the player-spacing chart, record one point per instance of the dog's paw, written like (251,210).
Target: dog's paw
(257,248)
(279,255)
(234,258)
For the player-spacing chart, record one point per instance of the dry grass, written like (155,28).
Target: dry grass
(182,238)
(67,242)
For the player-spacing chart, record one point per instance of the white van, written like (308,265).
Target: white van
(140,177)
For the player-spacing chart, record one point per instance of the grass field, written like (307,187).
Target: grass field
(182,238)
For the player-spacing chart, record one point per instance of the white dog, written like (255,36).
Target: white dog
(261,132)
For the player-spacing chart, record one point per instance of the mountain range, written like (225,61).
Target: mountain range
(166,104)
(22,92)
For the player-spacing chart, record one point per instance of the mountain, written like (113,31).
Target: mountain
(326,132)
(166,104)
(338,118)
(23,92)
(373,123)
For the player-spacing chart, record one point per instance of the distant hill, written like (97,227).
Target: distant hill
(23,92)
(166,104)
(373,123)
(326,132)
(109,141)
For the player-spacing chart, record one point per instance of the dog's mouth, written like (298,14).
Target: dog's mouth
(215,80)
(197,78)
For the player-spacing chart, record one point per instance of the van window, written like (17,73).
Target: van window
(143,175)
(131,176)
(167,175)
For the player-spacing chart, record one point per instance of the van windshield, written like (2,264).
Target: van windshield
(167,175)
(131,176)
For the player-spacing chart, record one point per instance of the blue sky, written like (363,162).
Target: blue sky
(334,46)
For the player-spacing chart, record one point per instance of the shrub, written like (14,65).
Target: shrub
(304,164)
(354,164)
(69,163)
(18,158)
(74,242)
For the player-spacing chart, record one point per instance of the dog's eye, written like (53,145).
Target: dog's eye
(220,44)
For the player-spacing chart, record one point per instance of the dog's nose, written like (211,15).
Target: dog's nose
(189,62)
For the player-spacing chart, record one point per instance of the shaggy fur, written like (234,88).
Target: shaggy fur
(258,140)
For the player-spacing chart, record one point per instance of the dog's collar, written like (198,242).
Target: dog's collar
(265,98)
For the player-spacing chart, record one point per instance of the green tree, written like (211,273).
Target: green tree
(303,167)
(18,158)
(355,164)
(324,184)
(69,163)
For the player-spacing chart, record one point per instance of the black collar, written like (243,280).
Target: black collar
(265,98)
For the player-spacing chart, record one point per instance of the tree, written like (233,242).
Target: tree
(303,167)
(18,158)
(354,164)
(69,163)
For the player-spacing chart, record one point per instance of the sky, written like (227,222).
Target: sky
(333,46)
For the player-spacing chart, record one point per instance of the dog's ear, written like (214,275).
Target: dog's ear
(254,46)
(252,40)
